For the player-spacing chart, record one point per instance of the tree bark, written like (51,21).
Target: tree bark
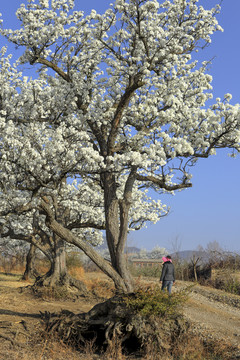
(57,273)
(111,216)
(30,270)
(117,216)
(69,237)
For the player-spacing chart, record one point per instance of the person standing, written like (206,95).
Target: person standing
(168,274)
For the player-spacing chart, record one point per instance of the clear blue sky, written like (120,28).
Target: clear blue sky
(210,211)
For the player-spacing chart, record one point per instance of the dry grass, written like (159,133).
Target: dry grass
(12,269)
(114,350)
(100,287)
(41,347)
(77,272)
(16,270)
(44,347)
(190,348)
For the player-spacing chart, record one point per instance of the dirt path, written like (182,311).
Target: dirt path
(214,315)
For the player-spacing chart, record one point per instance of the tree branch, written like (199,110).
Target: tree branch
(162,183)
(54,67)
(70,238)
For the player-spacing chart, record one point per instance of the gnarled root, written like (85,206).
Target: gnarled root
(112,320)
(59,288)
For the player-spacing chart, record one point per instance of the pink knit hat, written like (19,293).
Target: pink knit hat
(166,259)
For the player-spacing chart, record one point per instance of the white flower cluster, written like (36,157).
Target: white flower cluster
(116,94)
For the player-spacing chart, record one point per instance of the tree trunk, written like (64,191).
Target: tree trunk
(195,272)
(195,262)
(30,268)
(117,214)
(69,237)
(57,273)
(111,216)
(122,262)
(118,258)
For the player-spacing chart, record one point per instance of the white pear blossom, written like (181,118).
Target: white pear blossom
(117,105)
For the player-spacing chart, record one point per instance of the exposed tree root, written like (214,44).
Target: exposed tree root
(113,319)
(63,287)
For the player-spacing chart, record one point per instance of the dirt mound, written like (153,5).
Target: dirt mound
(214,315)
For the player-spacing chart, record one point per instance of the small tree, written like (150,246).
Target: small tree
(215,252)
(157,253)
(195,260)
(119,98)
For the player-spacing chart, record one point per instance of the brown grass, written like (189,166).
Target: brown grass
(42,347)
(50,348)
(47,349)
(77,272)
(101,287)
(15,270)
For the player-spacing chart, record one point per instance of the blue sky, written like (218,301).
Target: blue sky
(210,211)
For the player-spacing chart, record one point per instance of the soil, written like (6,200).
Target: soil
(214,315)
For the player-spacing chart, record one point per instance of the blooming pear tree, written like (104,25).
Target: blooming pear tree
(118,102)
(28,181)
(27,178)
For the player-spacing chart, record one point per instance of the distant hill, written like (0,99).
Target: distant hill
(127,250)
(132,250)
(185,255)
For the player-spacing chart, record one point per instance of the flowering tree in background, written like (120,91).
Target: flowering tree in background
(157,253)
(118,104)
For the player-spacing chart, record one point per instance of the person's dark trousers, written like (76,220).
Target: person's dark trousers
(167,284)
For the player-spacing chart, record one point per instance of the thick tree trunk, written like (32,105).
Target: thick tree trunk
(117,214)
(121,284)
(118,258)
(30,270)
(121,257)
(111,216)
(59,269)
(57,273)
(57,276)
(104,265)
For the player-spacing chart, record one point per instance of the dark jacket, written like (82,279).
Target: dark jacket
(168,272)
